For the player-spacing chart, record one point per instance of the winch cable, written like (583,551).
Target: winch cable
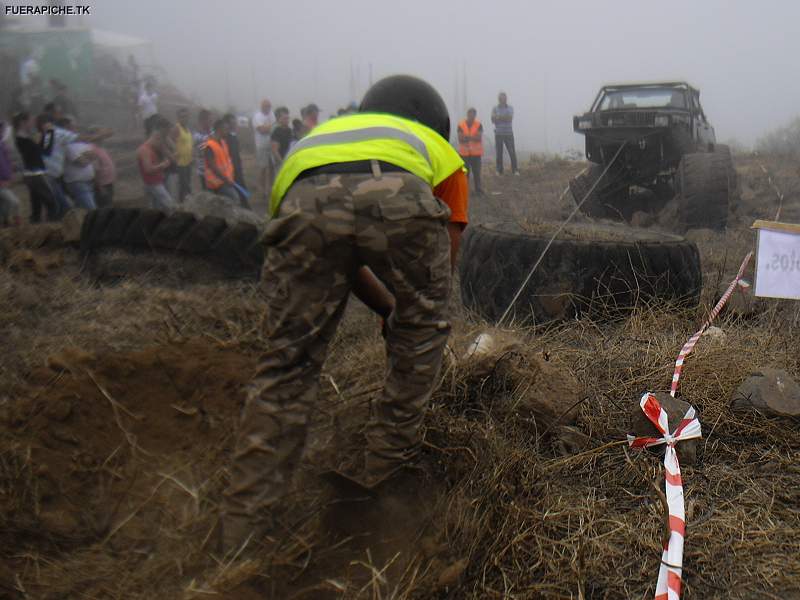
(555,235)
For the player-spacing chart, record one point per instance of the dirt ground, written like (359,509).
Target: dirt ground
(121,381)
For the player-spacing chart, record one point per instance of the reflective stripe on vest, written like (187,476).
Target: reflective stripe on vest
(222,161)
(369,136)
(470,148)
(362,135)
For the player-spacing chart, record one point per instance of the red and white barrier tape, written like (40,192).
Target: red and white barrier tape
(689,346)
(668,586)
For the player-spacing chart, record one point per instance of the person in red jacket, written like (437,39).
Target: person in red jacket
(153,160)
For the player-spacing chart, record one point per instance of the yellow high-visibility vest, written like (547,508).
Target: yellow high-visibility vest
(369,136)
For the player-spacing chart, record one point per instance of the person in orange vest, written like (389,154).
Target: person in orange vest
(219,166)
(470,146)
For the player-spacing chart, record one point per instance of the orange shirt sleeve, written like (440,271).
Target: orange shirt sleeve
(454,191)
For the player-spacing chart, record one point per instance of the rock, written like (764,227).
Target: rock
(742,302)
(481,346)
(571,440)
(72,223)
(502,365)
(715,333)
(676,409)
(451,575)
(206,204)
(772,391)
(642,219)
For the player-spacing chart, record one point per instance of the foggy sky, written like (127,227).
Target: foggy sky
(550,57)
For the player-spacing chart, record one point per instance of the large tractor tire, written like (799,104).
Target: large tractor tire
(706,190)
(599,203)
(236,247)
(596,270)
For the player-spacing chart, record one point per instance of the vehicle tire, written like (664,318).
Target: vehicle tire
(599,205)
(580,185)
(706,188)
(236,246)
(596,270)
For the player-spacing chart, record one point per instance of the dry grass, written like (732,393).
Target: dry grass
(499,512)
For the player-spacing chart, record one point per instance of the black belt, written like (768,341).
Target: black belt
(354,167)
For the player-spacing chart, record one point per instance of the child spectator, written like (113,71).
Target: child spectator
(34,171)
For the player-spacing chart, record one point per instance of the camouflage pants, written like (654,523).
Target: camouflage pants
(328,227)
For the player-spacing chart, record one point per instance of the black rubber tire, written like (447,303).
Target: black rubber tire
(236,246)
(580,185)
(596,270)
(601,204)
(706,189)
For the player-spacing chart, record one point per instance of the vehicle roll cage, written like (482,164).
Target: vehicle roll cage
(677,85)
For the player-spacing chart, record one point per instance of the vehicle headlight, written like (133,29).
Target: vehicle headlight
(661,121)
(681,119)
(585,124)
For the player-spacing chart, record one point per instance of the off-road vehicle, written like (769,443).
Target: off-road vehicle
(669,148)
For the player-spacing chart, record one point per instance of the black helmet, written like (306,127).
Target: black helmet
(408,97)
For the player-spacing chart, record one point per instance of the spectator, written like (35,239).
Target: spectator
(9,203)
(78,168)
(502,116)
(232,139)
(263,121)
(104,175)
(54,143)
(34,171)
(282,136)
(148,107)
(182,139)
(219,166)
(470,146)
(153,166)
(310,116)
(200,137)
(31,91)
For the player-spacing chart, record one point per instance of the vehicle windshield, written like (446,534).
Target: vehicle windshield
(643,98)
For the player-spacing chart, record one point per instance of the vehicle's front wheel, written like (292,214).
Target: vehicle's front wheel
(705,189)
(602,202)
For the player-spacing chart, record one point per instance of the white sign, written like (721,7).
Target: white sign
(778,260)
